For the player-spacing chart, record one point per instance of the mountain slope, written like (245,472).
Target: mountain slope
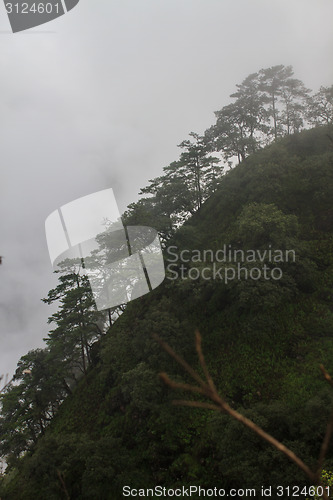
(263,339)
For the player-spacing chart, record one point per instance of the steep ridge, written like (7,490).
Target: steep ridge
(264,336)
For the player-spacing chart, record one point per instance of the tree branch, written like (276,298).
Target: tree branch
(208,389)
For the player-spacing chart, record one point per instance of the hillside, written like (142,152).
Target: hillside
(264,339)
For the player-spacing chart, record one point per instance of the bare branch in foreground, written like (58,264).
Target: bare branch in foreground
(208,389)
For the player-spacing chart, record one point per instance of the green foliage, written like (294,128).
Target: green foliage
(327,481)
(268,104)
(260,223)
(180,192)
(263,339)
(320,110)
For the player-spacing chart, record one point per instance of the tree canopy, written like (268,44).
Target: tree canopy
(87,411)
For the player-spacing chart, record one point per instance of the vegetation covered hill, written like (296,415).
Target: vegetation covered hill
(264,337)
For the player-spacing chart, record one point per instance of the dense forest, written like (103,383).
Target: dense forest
(88,414)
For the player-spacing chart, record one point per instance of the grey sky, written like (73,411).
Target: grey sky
(102,96)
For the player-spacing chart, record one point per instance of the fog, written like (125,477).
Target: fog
(101,97)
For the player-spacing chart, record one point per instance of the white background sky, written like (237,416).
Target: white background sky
(101,97)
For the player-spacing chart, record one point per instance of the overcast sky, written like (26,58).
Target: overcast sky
(101,97)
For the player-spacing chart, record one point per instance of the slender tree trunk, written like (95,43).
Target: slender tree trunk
(83,356)
(274,115)
(66,387)
(199,184)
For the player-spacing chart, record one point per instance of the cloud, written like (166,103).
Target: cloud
(101,97)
